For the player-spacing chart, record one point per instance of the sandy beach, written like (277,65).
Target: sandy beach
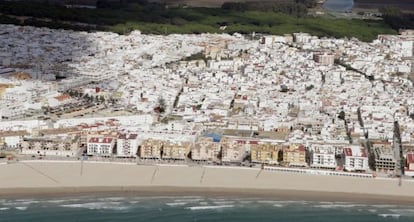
(34,178)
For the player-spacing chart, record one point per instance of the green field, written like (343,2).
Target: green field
(157,19)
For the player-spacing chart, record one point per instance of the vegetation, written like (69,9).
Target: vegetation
(197,56)
(161,105)
(397,19)
(153,18)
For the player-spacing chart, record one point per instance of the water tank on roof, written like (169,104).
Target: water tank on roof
(216,137)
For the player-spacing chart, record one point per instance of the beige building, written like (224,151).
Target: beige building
(264,153)
(294,155)
(232,151)
(150,149)
(205,149)
(176,151)
(51,146)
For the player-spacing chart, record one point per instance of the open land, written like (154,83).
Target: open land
(70,178)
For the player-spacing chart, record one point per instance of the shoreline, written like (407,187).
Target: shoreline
(285,195)
(52,179)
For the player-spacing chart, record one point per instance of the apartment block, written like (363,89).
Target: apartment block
(151,149)
(101,146)
(205,149)
(232,151)
(384,156)
(176,150)
(264,153)
(294,155)
(322,156)
(127,145)
(356,159)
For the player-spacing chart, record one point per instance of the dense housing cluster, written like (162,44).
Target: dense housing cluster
(292,100)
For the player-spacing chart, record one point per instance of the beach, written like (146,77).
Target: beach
(48,178)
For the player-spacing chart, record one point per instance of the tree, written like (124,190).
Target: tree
(161,104)
(341,115)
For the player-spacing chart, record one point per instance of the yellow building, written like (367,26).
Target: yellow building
(151,149)
(294,155)
(264,153)
(176,151)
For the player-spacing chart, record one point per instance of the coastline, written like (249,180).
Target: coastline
(50,179)
(286,195)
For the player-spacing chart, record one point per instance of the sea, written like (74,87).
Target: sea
(195,208)
(339,5)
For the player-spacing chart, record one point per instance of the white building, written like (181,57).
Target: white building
(356,159)
(322,156)
(127,145)
(100,146)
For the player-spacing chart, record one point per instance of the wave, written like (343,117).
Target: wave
(97,206)
(389,215)
(189,200)
(4,208)
(330,206)
(20,202)
(21,208)
(224,202)
(384,206)
(112,199)
(403,212)
(272,202)
(176,204)
(210,207)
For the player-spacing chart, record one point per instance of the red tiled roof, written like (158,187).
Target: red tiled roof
(100,140)
(363,153)
(301,148)
(410,157)
(348,151)
(62,97)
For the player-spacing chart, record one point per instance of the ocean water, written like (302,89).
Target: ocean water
(195,208)
(339,5)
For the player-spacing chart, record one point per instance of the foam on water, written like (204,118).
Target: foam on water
(389,215)
(223,202)
(272,202)
(97,206)
(403,212)
(209,207)
(332,205)
(135,208)
(21,208)
(176,204)
(189,200)
(20,202)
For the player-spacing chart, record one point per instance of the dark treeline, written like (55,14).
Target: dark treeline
(397,19)
(126,3)
(155,18)
(298,8)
